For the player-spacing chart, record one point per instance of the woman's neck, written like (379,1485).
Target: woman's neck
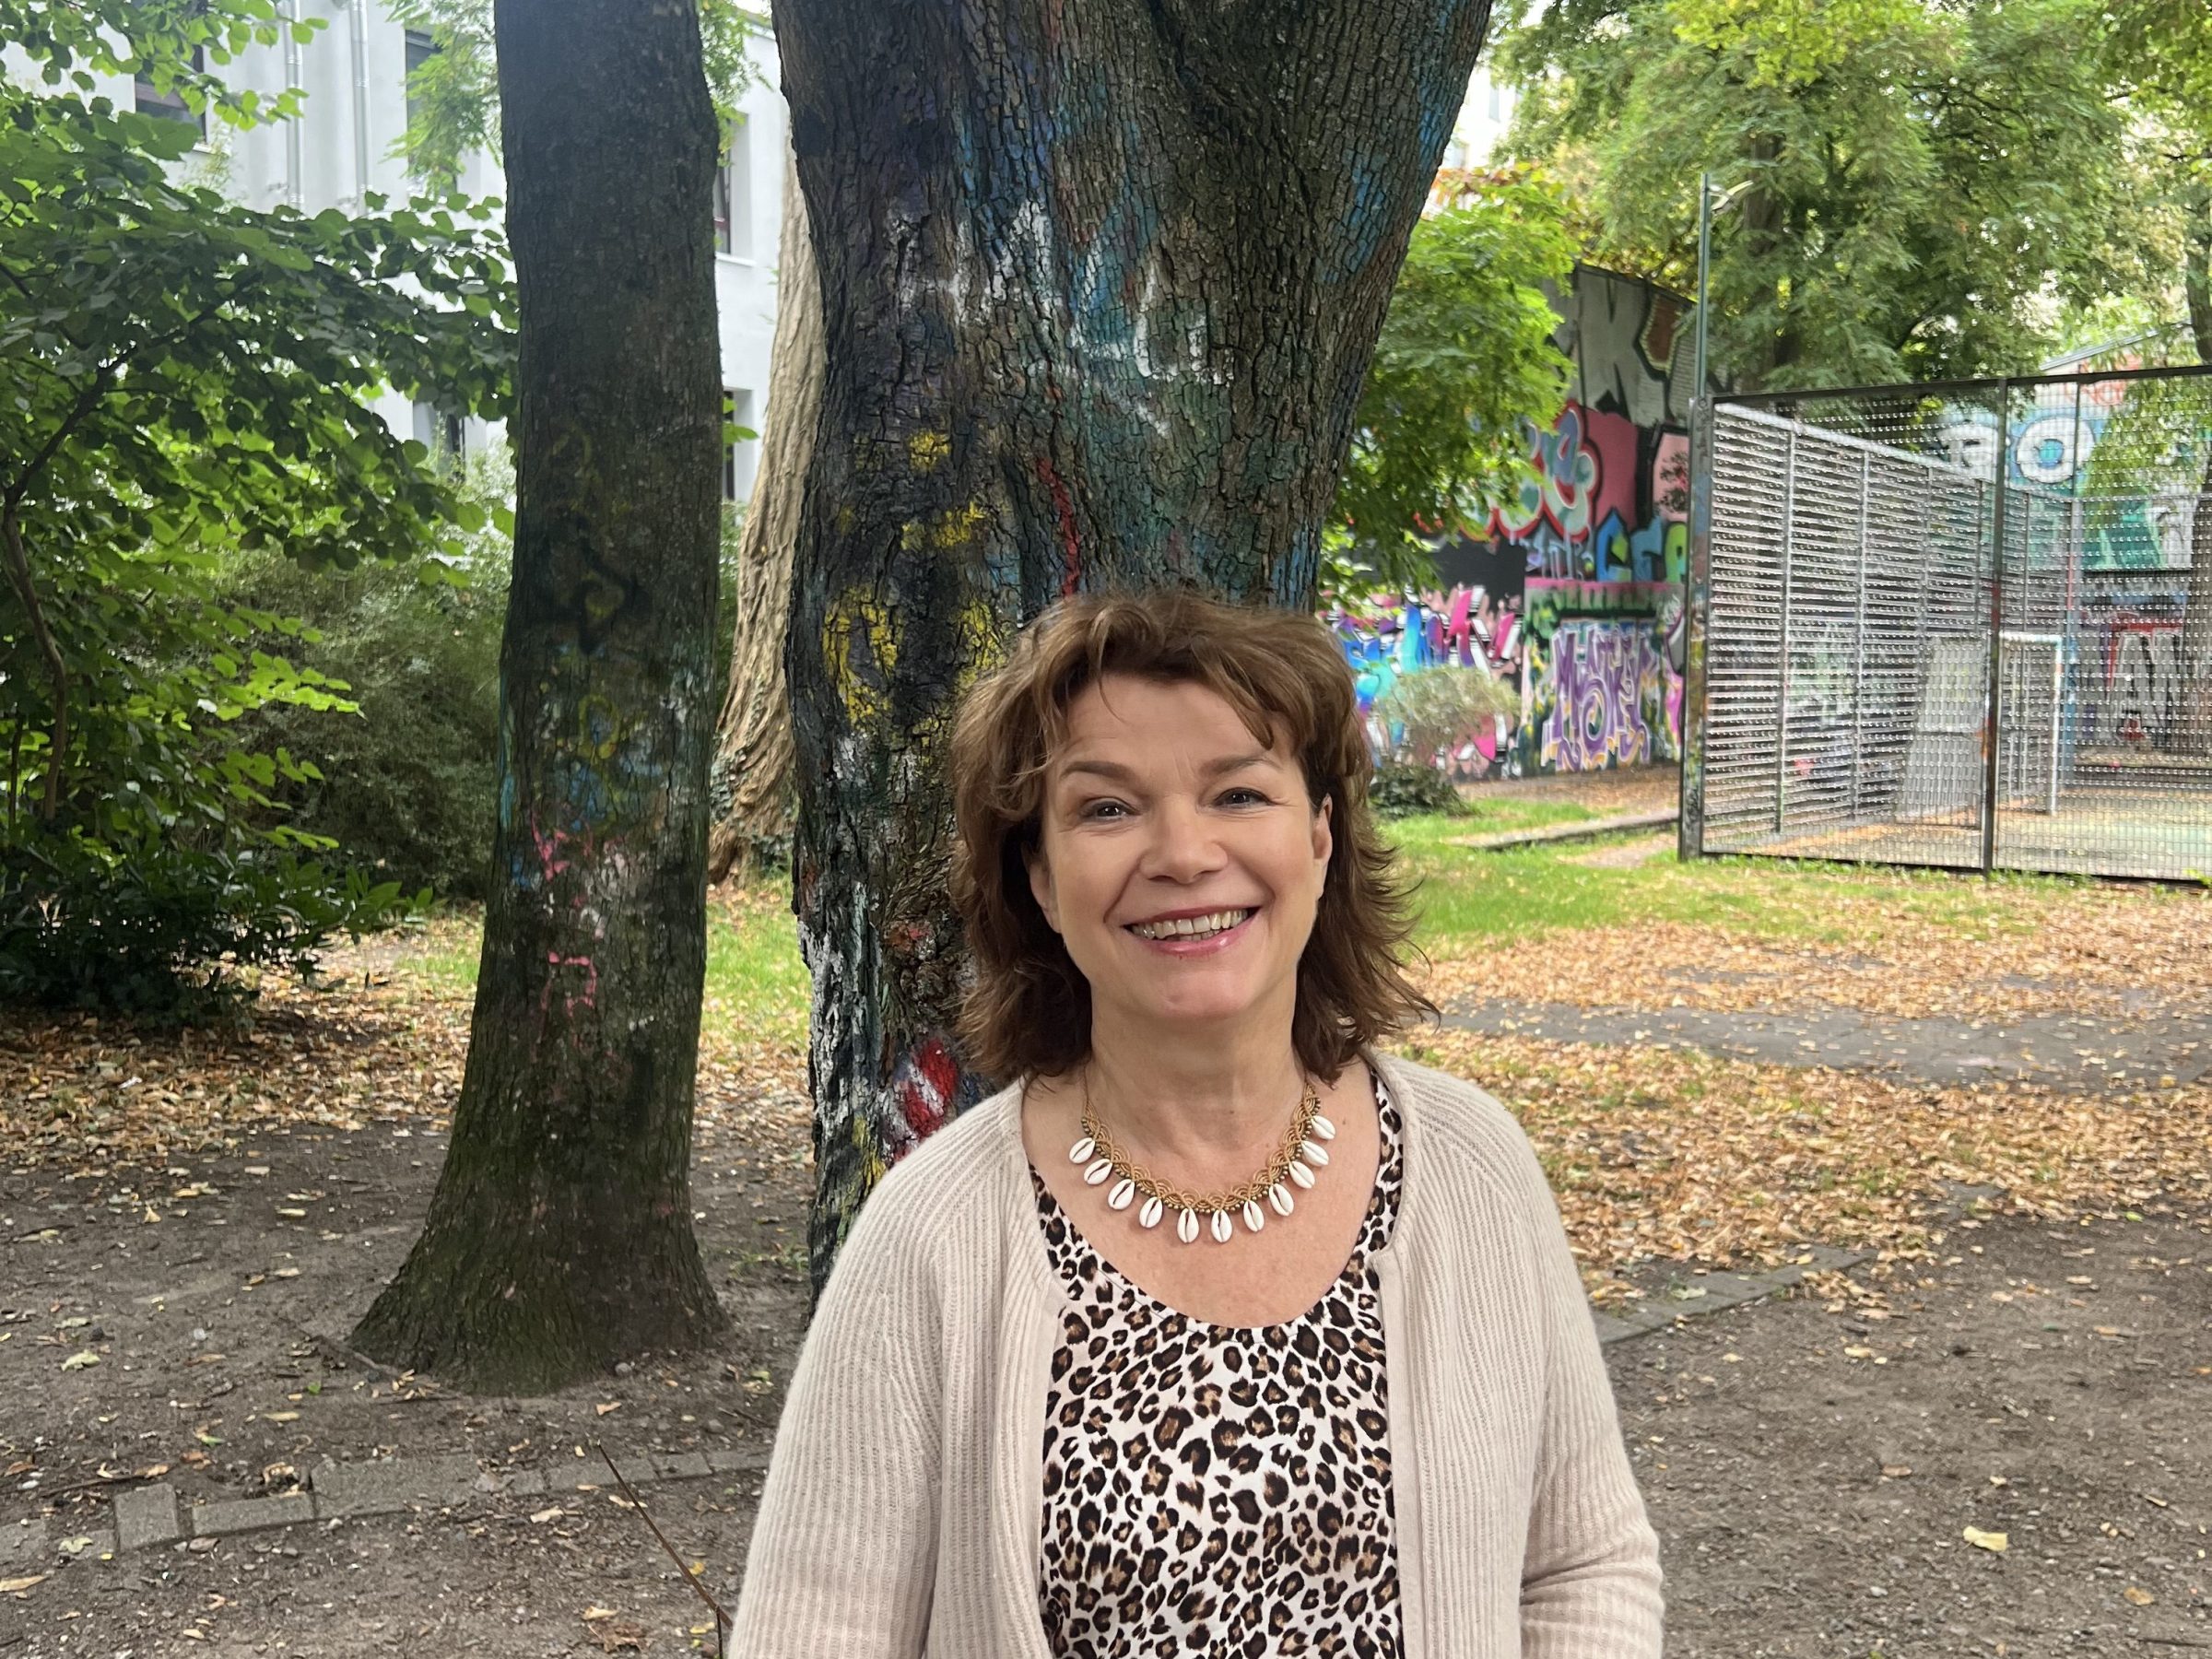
(1196,1099)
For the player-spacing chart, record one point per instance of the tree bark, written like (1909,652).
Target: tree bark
(2195,736)
(1099,287)
(559,1237)
(752,744)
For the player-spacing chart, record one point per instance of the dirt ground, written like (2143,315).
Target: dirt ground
(1811,1471)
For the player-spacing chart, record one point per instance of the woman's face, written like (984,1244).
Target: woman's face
(1181,862)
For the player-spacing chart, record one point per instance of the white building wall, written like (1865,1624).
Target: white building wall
(1483,117)
(346,147)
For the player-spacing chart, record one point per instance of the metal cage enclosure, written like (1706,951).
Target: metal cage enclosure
(1966,626)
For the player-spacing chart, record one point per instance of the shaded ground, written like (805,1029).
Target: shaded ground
(1812,1474)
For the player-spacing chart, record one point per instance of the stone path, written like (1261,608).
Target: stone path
(2057,1050)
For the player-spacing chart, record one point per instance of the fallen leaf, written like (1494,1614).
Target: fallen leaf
(76,1546)
(591,1614)
(1996,1543)
(80,1362)
(1896,1471)
(293,1215)
(16,1586)
(280,1416)
(545,1515)
(606,1405)
(2140,1596)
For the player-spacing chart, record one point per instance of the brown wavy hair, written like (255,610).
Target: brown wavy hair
(1027,1008)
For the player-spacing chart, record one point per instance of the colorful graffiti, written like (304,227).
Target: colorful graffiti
(1577,581)
(2129,676)
(1606,699)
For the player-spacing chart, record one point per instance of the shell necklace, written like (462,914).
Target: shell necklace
(1293,1164)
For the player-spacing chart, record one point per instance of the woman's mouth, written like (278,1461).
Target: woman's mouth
(1211,925)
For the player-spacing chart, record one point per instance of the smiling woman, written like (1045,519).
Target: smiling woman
(1215,1331)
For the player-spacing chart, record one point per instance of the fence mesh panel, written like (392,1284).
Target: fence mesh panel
(1968,625)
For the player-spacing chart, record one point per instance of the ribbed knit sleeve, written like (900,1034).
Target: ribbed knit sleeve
(843,1554)
(1590,1577)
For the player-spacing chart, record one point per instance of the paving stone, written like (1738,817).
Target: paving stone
(680,1466)
(147,1515)
(251,1514)
(23,1541)
(746,1460)
(382,1488)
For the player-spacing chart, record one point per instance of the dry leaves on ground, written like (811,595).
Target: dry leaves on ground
(1675,1154)
(2092,954)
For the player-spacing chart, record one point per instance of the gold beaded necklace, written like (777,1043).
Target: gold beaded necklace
(1294,1162)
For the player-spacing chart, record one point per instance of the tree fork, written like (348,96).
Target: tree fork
(1099,297)
(559,1237)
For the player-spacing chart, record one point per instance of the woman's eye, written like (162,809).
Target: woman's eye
(1239,797)
(1098,809)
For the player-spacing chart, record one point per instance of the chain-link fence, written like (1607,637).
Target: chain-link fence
(1967,625)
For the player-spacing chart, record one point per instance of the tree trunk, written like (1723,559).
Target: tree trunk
(559,1237)
(752,746)
(1099,289)
(2194,734)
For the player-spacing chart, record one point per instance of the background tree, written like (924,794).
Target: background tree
(1922,180)
(1465,366)
(753,740)
(1097,304)
(560,1236)
(186,378)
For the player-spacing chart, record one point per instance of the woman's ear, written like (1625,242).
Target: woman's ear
(1324,835)
(1041,886)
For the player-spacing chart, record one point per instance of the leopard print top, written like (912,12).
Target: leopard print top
(1220,1490)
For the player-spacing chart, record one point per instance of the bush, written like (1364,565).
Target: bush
(1430,709)
(155,930)
(1401,789)
(406,784)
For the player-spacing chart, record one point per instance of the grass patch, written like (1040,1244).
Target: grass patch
(1496,817)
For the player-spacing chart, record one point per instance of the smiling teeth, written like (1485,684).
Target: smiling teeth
(1190,927)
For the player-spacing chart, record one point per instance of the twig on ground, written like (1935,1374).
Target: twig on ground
(721,1619)
(341,1355)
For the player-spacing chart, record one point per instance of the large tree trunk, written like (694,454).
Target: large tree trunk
(561,1237)
(752,746)
(1100,286)
(2194,734)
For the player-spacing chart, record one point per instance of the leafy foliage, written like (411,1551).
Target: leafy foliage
(1918,181)
(1429,709)
(1408,789)
(187,377)
(455,94)
(1464,364)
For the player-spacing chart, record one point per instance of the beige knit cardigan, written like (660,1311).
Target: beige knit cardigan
(903,1508)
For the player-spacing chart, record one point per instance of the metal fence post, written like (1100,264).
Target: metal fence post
(1858,639)
(1696,624)
(1993,736)
(1782,714)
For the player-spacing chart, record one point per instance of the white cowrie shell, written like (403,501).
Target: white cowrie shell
(1314,1155)
(1278,1199)
(1150,1215)
(1082,1151)
(1223,1231)
(1303,1176)
(1254,1216)
(1096,1175)
(1186,1227)
(1322,1128)
(1123,1195)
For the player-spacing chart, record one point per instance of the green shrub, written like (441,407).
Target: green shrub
(1402,789)
(1429,709)
(155,930)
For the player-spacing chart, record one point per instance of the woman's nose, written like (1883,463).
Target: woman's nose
(1184,846)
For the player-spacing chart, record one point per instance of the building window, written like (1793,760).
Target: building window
(734,196)
(421,49)
(442,432)
(168,104)
(740,449)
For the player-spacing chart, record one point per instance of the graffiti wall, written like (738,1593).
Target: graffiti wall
(1572,592)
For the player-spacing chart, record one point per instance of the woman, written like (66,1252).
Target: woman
(1217,1332)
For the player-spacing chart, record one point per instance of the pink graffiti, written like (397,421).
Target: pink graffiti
(587,997)
(549,857)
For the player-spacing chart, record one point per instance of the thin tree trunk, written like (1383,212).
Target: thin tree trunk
(2194,734)
(1099,288)
(752,773)
(559,1237)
